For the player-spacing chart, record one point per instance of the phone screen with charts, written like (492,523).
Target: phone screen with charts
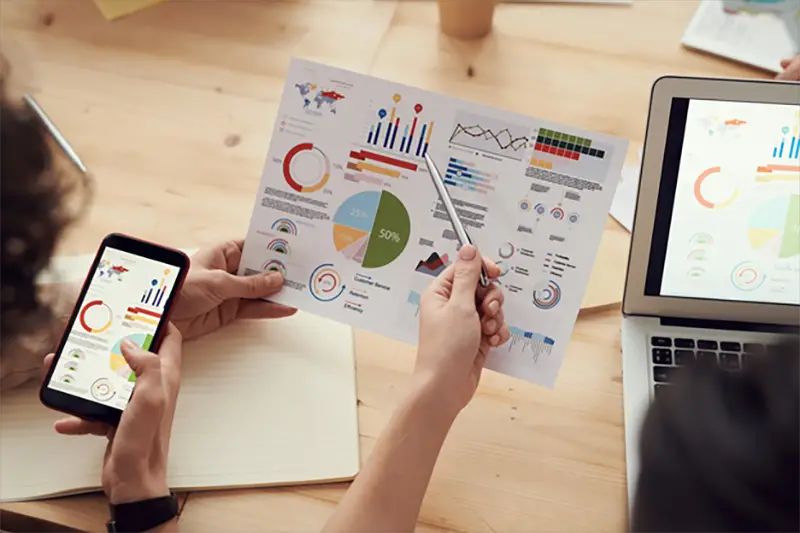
(125,296)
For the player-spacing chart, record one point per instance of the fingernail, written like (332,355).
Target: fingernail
(494,306)
(467,252)
(129,344)
(274,278)
(495,340)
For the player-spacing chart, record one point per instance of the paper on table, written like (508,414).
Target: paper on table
(623,207)
(114,9)
(347,211)
(261,403)
(758,39)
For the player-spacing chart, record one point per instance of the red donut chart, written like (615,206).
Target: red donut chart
(85,325)
(319,181)
(698,194)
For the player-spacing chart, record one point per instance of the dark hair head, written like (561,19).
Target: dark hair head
(721,451)
(33,213)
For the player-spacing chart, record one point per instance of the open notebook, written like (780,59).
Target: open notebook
(746,31)
(261,404)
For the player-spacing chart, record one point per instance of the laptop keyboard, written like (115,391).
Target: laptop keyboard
(670,353)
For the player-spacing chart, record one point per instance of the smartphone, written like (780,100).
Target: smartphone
(128,293)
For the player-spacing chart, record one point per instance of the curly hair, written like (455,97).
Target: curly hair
(34,212)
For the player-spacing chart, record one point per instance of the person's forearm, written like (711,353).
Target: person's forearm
(387,494)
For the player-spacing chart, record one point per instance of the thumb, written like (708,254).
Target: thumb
(141,361)
(466,274)
(228,286)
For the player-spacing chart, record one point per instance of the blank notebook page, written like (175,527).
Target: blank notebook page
(262,403)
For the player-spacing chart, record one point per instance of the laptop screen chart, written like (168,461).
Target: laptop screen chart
(735,228)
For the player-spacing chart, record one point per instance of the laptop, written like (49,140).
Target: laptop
(714,268)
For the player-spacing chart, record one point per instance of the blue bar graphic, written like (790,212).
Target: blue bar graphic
(388,134)
(791,150)
(377,133)
(369,137)
(425,150)
(421,138)
(394,136)
(410,140)
(403,144)
(780,153)
(775,152)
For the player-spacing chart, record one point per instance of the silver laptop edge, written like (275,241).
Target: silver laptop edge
(642,312)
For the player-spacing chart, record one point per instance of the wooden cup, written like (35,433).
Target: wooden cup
(466,19)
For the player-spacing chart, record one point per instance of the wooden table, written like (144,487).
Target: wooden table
(172,110)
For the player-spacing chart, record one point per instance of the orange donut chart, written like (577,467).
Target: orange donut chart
(699,195)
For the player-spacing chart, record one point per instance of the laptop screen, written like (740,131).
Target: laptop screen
(727,225)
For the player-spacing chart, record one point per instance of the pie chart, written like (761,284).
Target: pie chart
(371,228)
(117,362)
(774,227)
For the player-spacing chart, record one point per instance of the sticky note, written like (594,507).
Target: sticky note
(114,9)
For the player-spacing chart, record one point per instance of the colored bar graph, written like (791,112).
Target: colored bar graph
(405,136)
(394,132)
(137,318)
(363,155)
(377,133)
(411,135)
(792,148)
(464,175)
(161,296)
(427,139)
(421,139)
(369,137)
(379,170)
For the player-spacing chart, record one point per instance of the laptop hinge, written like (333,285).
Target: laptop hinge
(728,325)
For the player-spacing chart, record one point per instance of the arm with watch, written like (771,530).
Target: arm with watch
(134,475)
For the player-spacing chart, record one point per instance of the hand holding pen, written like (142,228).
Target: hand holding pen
(455,220)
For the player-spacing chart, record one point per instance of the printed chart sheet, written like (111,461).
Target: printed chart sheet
(346,209)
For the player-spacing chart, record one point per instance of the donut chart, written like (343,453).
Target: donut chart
(698,190)
(546,295)
(102,390)
(325,283)
(306,168)
(95,317)
(747,276)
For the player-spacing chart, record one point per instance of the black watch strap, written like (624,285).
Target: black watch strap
(136,517)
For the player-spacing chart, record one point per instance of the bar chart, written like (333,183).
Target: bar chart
(787,148)
(464,175)
(386,133)
(371,167)
(154,295)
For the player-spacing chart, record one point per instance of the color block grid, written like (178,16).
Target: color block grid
(566,145)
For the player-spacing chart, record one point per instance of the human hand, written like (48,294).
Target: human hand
(214,296)
(459,323)
(135,463)
(791,69)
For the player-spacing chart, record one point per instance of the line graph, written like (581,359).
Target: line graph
(489,135)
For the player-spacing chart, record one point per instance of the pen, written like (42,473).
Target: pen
(461,233)
(55,133)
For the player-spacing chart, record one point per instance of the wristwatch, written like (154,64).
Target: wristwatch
(136,517)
